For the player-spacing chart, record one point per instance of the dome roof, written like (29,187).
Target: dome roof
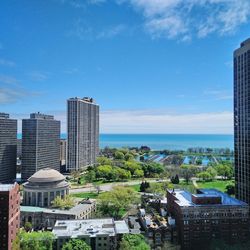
(46,175)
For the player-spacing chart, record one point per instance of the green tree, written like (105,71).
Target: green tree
(152,169)
(33,240)
(132,166)
(205,176)
(102,160)
(138,173)
(133,241)
(63,203)
(188,171)
(123,174)
(118,199)
(212,172)
(90,176)
(76,175)
(27,226)
(158,188)
(144,185)
(119,155)
(128,157)
(175,179)
(57,202)
(198,162)
(225,170)
(76,244)
(104,171)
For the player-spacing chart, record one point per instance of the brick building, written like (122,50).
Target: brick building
(206,216)
(9,214)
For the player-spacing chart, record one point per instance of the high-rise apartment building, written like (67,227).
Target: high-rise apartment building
(9,214)
(8,148)
(242,120)
(40,144)
(83,133)
(63,152)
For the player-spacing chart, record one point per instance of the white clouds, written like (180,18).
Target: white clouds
(111,31)
(148,122)
(38,76)
(85,31)
(8,79)
(181,19)
(6,62)
(12,95)
(219,94)
(186,18)
(155,121)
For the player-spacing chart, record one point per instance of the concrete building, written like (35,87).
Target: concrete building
(83,133)
(43,187)
(9,214)
(241,120)
(63,152)
(206,216)
(41,218)
(99,234)
(8,148)
(40,144)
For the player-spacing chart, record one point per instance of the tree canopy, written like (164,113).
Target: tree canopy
(33,240)
(133,241)
(118,199)
(76,244)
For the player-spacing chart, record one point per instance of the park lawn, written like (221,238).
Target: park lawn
(218,184)
(135,187)
(91,195)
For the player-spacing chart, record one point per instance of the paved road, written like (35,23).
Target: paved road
(106,187)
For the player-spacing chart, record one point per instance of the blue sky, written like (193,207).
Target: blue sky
(153,66)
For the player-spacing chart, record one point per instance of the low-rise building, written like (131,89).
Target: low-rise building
(206,216)
(43,187)
(100,234)
(41,217)
(156,228)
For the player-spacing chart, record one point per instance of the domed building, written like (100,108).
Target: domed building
(43,187)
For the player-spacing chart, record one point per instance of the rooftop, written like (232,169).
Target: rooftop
(4,116)
(84,99)
(74,210)
(247,41)
(38,115)
(184,198)
(89,228)
(46,175)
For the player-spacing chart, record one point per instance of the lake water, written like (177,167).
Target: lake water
(164,141)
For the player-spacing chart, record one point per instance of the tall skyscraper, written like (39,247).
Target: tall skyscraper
(83,133)
(40,144)
(9,214)
(242,120)
(8,148)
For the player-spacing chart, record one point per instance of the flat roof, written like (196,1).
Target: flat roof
(184,198)
(121,227)
(31,209)
(89,228)
(79,208)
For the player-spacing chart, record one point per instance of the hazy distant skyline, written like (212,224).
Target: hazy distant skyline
(153,66)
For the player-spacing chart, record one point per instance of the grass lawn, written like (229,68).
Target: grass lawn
(218,184)
(91,195)
(136,187)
